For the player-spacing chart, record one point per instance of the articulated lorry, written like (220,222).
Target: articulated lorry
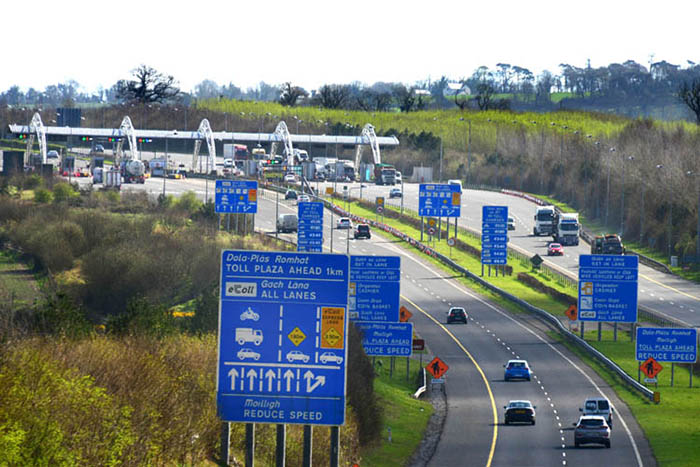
(544,220)
(566,230)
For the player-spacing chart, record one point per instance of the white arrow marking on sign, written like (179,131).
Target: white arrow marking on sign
(251,376)
(233,374)
(288,376)
(320,381)
(270,375)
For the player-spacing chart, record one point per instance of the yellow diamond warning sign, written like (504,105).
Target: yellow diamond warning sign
(332,327)
(296,336)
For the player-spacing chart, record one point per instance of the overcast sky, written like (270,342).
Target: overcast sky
(309,43)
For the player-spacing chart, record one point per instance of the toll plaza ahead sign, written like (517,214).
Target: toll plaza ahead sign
(282,337)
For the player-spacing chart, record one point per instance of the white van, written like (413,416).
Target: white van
(456,182)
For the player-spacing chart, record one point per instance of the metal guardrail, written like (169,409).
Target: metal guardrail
(421,389)
(538,312)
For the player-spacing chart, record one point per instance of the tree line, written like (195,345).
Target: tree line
(504,87)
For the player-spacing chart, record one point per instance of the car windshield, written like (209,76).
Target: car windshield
(544,216)
(569,226)
(592,422)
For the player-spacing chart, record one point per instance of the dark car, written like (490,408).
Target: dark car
(290,194)
(99,148)
(455,314)
(362,231)
(519,411)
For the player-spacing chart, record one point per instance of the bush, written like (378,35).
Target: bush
(58,315)
(63,191)
(33,181)
(361,396)
(188,202)
(142,318)
(42,195)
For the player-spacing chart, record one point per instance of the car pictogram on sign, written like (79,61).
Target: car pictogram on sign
(437,368)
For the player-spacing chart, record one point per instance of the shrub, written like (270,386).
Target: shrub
(58,315)
(188,202)
(42,195)
(142,318)
(63,191)
(33,181)
(361,396)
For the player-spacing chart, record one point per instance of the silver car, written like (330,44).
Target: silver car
(591,429)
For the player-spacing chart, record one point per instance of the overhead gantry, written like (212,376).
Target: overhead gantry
(371,136)
(205,133)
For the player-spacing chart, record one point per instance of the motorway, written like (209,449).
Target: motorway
(474,433)
(665,294)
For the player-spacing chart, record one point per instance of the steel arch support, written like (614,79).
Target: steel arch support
(127,128)
(36,126)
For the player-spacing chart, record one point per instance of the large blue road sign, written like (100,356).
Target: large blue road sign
(607,288)
(282,337)
(310,229)
(375,286)
(386,339)
(439,200)
(494,235)
(236,196)
(679,345)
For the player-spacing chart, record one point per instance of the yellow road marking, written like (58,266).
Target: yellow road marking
(483,377)
(669,287)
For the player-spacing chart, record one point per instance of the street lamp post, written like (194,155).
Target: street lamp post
(607,193)
(622,202)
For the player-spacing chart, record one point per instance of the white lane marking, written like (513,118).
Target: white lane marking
(461,289)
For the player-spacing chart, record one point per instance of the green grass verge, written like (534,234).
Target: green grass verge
(17,283)
(670,427)
(405,416)
(674,434)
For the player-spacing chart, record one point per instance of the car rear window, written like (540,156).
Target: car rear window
(363,228)
(591,405)
(516,365)
(592,423)
(603,405)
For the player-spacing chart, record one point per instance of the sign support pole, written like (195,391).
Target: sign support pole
(691,375)
(335,446)
(421,228)
(249,444)
(583,325)
(225,442)
(615,331)
(456,220)
(439,228)
(281,445)
(672,368)
(277,213)
(308,442)
(600,330)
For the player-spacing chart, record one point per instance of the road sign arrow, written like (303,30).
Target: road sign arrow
(233,374)
(320,381)
(288,377)
(270,376)
(252,374)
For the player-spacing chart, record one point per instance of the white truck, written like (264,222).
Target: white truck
(566,229)
(544,221)
(244,335)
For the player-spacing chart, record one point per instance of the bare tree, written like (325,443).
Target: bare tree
(290,94)
(333,96)
(484,95)
(148,86)
(690,95)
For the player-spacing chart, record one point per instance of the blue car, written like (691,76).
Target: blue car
(517,369)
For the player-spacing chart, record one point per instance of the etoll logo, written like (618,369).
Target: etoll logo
(241,289)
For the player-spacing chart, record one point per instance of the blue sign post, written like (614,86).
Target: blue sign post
(375,285)
(667,344)
(282,337)
(607,288)
(386,339)
(236,196)
(494,235)
(310,229)
(439,200)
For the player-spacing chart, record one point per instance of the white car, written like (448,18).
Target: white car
(296,356)
(290,178)
(330,357)
(248,353)
(343,223)
(249,314)
(303,199)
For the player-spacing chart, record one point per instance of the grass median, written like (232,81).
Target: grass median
(673,432)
